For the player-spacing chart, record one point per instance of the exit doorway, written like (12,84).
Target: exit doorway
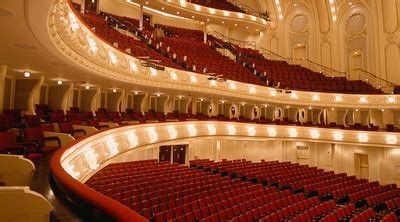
(361,166)
(173,153)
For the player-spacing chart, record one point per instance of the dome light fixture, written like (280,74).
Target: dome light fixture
(362,99)
(338,98)
(391,99)
(391,139)
(362,137)
(315,97)
(338,135)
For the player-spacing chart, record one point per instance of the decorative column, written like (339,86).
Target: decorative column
(205,32)
(3,72)
(34,96)
(141,18)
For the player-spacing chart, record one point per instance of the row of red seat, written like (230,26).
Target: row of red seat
(372,191)
(344,213)
(393,204)
(239,200)
(207,196)
(337,184)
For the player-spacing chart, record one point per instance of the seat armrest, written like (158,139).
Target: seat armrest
(85,129)
(53,138)
(19,149)
(78,131)
(63,137)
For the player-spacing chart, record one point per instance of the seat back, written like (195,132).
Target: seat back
(32,120)
(57,117)
(49,127)
(8,139)
(34,134)
(66,127)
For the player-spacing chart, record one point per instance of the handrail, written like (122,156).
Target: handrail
(219,35)
(314,66)
(272,55)
(379,78)
(317,67)
(374,80)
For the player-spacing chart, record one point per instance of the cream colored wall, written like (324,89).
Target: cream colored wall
(113,101)
(86,100)
(23,88)
(56,94)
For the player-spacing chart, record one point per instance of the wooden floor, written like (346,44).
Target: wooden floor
(41,185)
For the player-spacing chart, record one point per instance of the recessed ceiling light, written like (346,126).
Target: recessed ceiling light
(177,13)
(247,27)
(208,20)
(222,22)
(114,90)
(27,74)
(87,87)
(235,24)
(136,92)
(192,16)
(59,82)
(295,4)
(162,8)
(147,3)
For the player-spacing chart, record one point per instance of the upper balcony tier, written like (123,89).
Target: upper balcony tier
(184,49)
(78,43)
(205,13)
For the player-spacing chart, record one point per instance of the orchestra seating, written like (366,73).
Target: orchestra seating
(218,4)
(240,190)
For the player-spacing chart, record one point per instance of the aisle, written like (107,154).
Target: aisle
(41,185)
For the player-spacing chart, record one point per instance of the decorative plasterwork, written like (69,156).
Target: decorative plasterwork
(299,23)
(393,38)
(356,25)
(325,37)
(77,43)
